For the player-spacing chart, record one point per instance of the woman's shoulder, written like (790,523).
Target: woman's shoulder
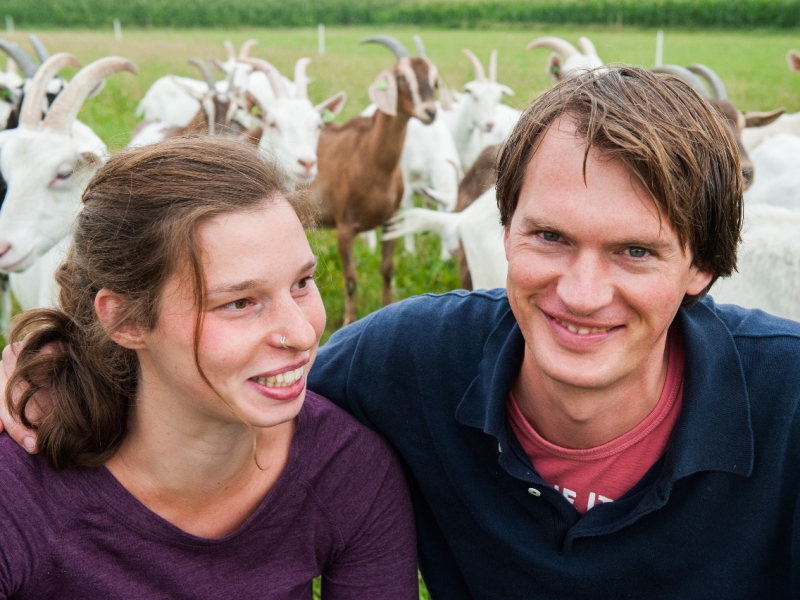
(338,448)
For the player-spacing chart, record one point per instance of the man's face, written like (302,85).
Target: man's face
(594,278)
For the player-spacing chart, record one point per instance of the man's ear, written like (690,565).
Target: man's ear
(383,92)
(698,282)
(109,308)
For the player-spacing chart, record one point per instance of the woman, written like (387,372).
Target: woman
(183,457)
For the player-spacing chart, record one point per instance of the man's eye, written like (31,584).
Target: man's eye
(549,236)
(237,304)
(304,283)
(636,252)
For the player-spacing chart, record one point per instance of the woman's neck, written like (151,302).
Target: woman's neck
(199,474)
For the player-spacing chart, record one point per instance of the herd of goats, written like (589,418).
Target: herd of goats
(361,172)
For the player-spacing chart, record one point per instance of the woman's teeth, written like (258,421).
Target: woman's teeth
(582,330)
(281,379)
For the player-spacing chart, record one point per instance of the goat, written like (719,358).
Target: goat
(752,137)
(778,164)
(215,115)
(359,185)
(291,126)
(475,112)
(768,263)
(46,163)
(736,119)
(477,228)
(574,60)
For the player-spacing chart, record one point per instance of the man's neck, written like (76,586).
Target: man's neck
(574,417)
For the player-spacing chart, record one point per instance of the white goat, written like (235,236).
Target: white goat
(574,60)
(167,101)
(777,161)
(477,228)
(475,112)
(768,263)
(291,126)
(47,163)
(752,137)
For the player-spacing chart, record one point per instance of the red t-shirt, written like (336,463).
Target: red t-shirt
(589,476)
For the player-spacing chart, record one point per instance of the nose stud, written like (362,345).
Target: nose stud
(283,342)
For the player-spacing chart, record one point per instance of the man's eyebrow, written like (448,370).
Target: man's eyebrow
(248,284)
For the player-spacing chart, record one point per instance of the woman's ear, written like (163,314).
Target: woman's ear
(109,308)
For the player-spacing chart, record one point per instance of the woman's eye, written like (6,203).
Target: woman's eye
(634,252)
(237,304)
(304,283)
(549,236)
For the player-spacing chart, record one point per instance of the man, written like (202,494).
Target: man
(595,430)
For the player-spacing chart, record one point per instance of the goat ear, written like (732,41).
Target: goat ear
(759,119)
(506,90)
(252,106)
(554,67)
(331,107)
(383,92)
(445,99)
(793,58)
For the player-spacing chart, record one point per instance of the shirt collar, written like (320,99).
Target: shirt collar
(713,431)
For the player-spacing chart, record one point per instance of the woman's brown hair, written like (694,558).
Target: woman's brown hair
(137,227)
(675,143)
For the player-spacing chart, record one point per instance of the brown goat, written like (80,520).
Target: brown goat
(736,119)
(359,185)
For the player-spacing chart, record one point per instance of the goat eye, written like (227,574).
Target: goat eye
(64,176)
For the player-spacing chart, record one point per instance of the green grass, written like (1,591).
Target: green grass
(752,64)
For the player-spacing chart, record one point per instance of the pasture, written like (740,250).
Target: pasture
(752,65)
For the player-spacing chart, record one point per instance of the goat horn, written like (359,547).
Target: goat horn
(420,46)
(399,50)
(38,46)
(31,113)
(272,74)
(686,76)
(229,49)
(215,62)
(586,46)
(244,51)
(714,81)
(493,67)
(212,83)
(480,74)
(563,47)
(25,63)
(66,106)
(300,79)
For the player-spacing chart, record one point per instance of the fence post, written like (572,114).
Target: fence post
(659,48)
(117,30)
(9,25)
(321,39)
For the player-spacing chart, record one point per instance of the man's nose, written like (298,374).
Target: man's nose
(586,286)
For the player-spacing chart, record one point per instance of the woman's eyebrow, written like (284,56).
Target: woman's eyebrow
(248,284)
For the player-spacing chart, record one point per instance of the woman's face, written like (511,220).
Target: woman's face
(259,287)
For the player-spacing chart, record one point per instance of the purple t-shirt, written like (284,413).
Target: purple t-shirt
(340,509)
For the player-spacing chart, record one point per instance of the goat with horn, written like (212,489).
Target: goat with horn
(566,59)
(46,162)
(360,183)
(718,97)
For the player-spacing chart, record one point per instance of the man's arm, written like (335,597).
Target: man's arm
(19,433)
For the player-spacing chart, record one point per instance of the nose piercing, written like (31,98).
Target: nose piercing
(283,342)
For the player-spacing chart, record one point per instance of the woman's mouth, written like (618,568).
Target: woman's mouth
(284,379)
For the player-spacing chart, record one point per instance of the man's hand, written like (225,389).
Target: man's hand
(23,436)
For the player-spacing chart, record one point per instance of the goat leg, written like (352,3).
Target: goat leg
(387,269)
(346,235)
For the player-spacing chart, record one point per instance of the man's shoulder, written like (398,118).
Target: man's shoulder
(743,323)
(479,309)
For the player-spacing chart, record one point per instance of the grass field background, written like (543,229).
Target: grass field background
(752,64)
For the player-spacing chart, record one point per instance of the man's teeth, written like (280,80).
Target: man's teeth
(582,330)
(281,379)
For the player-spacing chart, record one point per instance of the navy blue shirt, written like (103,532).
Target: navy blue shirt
(718,516)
